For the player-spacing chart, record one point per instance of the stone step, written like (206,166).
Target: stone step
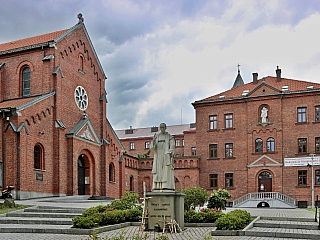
(294,219)
(283,233)
(42,221)
(42,215)
(31,228)
(55,210)
(286,224)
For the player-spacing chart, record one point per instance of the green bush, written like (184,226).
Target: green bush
(191,216)
(194,196)
(127,201)
(234,220)
(218,199)
(122,210)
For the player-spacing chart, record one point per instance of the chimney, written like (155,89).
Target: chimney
(278,72)
(255,78)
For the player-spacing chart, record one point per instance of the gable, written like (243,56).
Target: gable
(84,131)
(264,161)
(264,89)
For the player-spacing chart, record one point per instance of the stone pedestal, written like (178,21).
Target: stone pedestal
(166,203)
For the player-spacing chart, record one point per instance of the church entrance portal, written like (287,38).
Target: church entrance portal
(265,182)
(81,175)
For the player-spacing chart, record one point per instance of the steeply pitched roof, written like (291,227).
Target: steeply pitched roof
(31,42)
(293,86)
(239,81)
(146,132)
(22,103)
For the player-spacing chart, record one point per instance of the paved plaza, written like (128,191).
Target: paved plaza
(189,233)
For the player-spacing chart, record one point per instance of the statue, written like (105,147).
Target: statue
(163,164)
(264,115)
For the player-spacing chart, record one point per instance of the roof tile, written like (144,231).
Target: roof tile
(294,85)
(44,38)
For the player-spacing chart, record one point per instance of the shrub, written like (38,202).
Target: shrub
(104,215)
(218,199)
(127,201)
(194,196)
(191,216)
(234,220)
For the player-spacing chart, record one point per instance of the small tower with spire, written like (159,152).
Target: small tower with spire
(239,81)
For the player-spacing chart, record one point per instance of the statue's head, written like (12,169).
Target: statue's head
(163,127)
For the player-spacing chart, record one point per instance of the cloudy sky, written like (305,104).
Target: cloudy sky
(161,55)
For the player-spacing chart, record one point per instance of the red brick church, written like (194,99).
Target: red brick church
(55,139)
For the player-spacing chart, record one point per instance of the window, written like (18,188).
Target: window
(317,144)
(317,113)
(270,145)
(38,157)
(177,142)
(213,124)
(26,82)
(302,145)
(213,180)
(193,151)
(112,172)
(317,177)
(182,142)
(229,150)
(302,177)
(131,145)
(81,63)
(213,150)
(228,120)
(258,145)
(147,145)
(302,115)
(229,180)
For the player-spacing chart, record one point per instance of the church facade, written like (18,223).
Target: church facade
(55,139)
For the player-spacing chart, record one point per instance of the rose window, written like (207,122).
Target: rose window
(81,98)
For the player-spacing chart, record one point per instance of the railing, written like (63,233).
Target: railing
(265,195)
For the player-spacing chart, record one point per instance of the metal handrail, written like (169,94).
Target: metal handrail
(265,195)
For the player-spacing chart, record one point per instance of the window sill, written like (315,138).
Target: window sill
(230,188)
(225,129)
(301,123)
(213,188)
(213,158)
(261,153)
(214,130)
(81,71)
(112,182)
(229,158)
(315,122)
(40,170)
(303,186)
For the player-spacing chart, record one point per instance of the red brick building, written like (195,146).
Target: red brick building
(246,139)
(244,151)
(55,138)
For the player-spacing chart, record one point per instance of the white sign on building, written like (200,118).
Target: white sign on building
(302,161)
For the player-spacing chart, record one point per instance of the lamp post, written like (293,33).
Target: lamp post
(312,180)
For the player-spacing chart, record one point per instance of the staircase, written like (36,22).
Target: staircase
(275,227)
(40,220)
(265,199)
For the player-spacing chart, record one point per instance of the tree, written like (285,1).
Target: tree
(194,196)
(218,199)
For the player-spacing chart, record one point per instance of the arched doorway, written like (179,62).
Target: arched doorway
(265,182)
(81,175)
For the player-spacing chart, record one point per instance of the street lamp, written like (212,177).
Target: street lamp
(312,180)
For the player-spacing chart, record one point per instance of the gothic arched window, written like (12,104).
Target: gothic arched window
(26,82)
(38,155)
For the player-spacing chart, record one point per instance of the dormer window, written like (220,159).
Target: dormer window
(285,88)
(26,82)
